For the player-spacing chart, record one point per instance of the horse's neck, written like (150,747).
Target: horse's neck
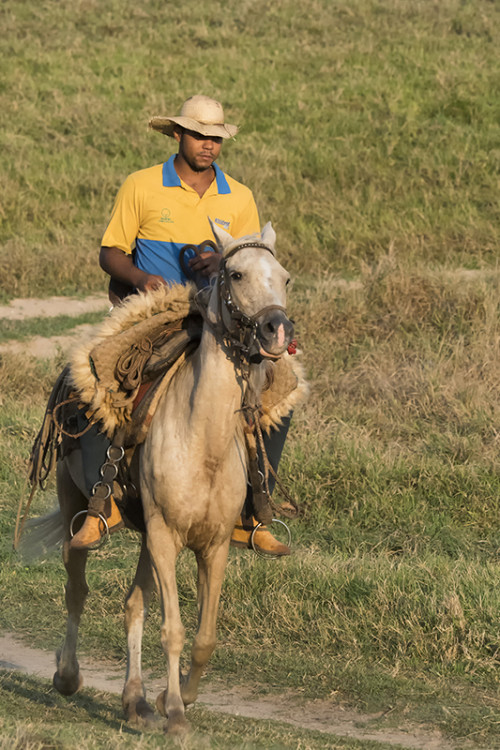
(216,378)
(205,397)
(219,390)
(217,385)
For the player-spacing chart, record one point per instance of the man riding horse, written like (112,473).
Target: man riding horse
(157,212)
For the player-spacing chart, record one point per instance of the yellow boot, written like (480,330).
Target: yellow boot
(263,540)
(93,528)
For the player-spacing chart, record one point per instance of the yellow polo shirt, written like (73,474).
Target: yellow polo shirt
(155,214)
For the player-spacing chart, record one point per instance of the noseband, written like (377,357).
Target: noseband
(242,337)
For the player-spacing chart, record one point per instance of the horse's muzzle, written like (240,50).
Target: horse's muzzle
(274,333)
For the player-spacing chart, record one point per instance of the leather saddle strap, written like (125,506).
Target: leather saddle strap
(262,510)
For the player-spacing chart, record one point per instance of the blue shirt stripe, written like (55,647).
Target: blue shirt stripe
(160,258)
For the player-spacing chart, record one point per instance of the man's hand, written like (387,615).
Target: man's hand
(150,281)
(206,263)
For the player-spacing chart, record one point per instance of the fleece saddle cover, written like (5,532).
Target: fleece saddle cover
(143,341)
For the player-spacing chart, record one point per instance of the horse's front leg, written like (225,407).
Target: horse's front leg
(137,710)
(164,548)
(211,568)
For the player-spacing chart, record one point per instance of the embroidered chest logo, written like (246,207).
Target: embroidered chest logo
(222,223)
(165,216)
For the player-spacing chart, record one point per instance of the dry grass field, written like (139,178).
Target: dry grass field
(370,135)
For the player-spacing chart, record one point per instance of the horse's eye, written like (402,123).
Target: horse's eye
(236,276)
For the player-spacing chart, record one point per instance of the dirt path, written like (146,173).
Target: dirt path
(321,715)
(20,309)
(39,346)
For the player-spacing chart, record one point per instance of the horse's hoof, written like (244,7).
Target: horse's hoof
(67,685)
(176,720)
(177,724)
(142,715)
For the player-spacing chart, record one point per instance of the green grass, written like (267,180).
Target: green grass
(47,327)
(365,126)
(390,598)
(94,720)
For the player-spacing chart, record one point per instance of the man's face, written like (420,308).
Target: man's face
(199,151)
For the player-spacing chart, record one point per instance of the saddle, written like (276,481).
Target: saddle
(119,376)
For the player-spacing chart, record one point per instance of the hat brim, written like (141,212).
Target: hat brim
(166,126)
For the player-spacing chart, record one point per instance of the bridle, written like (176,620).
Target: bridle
(241,338)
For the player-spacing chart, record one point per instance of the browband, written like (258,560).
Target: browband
(248,244)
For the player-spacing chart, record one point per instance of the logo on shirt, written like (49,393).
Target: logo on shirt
(165,216)
(222,223)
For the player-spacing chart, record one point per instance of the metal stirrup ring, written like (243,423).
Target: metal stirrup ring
(104,538)
(256,528)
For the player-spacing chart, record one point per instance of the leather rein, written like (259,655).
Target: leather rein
(242,344)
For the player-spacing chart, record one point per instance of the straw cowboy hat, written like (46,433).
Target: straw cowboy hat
(198,113)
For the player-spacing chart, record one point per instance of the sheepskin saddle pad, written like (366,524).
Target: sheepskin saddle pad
(144,340)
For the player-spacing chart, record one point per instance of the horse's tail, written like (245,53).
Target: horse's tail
(41,536)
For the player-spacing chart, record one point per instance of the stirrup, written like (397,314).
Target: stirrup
(104,537)
(268,554)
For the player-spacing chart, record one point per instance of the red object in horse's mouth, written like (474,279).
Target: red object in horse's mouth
(292,347)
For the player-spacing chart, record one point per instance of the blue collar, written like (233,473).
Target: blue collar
(172,179)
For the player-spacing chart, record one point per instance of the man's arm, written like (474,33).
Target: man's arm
(120,266)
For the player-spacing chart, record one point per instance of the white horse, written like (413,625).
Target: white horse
(193,475)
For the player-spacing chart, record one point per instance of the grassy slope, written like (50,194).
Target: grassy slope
(370,137)
(365,126)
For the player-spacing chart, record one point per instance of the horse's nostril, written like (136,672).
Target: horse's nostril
(275,330)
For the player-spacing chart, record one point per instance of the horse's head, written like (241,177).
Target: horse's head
(252,293)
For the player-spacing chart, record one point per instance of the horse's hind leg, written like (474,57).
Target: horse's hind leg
(67,679)
(137,709)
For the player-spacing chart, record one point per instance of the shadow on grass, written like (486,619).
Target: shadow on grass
(24,697)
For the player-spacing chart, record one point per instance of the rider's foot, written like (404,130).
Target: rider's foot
(263,540)
(94,529)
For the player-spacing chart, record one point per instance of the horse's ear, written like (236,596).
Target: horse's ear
(269,236)
(222,237)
